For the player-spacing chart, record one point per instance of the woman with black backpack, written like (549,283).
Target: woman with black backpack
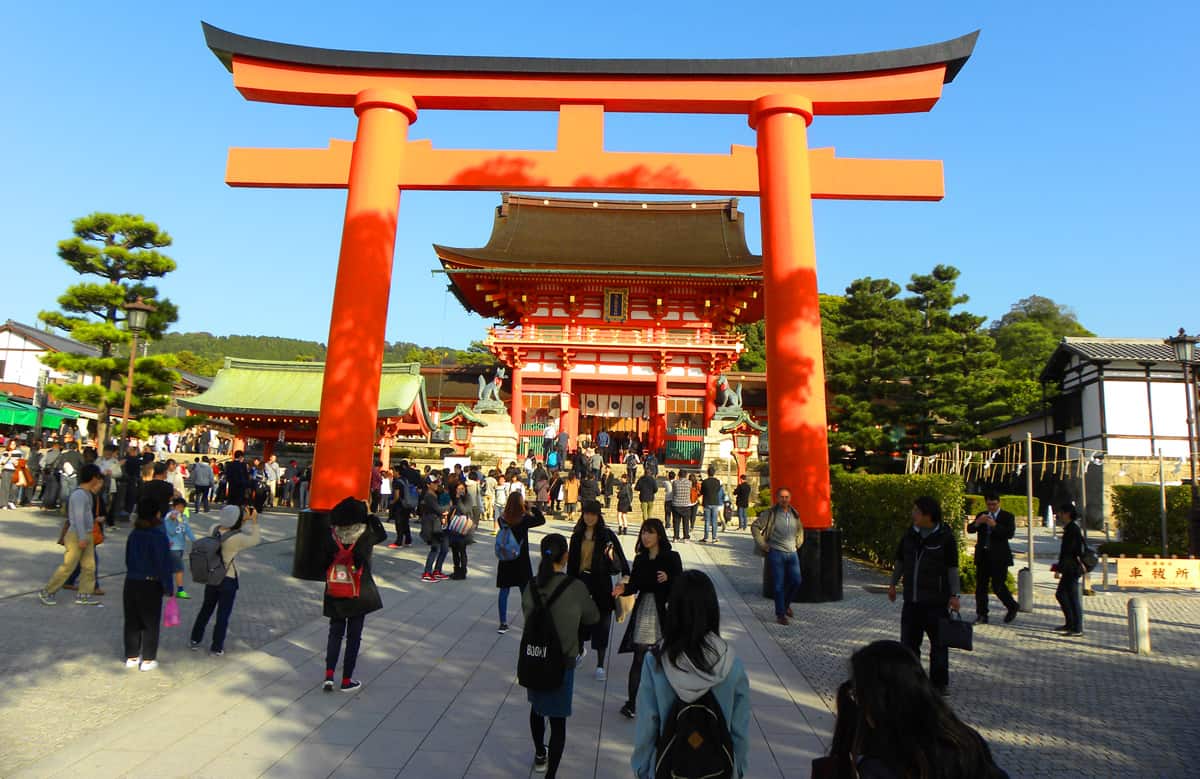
(569,606)
(655,569)
(350,591)
(517,571)
(595,556)
(693,683)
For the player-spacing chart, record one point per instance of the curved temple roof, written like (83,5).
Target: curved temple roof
(953,53)
(293,389)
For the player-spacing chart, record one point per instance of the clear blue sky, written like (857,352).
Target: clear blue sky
(1068,141)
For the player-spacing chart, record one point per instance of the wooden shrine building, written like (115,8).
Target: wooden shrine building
(279,401)
(613,315)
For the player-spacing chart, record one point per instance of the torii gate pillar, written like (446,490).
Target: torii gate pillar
(796,391)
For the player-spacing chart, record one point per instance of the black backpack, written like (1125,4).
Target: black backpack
(695,742)
(540,664)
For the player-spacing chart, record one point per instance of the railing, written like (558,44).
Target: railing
(581,335)
(531,439)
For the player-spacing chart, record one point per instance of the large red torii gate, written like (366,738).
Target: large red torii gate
(779,96)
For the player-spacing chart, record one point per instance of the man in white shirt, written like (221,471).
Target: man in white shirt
(271,471)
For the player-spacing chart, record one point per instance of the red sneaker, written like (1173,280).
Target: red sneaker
(440,576)
(428,577)
(393,546)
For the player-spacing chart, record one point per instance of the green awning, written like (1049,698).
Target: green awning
(14,412)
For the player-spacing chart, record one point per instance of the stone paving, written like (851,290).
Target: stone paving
(441,699)
(1048,705)
(440,696)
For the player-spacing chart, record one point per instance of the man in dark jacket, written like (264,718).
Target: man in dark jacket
(992,529)
(927,562)
(237,479)
(647,488)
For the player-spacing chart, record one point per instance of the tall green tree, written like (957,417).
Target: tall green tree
(122,250)
(1028,334)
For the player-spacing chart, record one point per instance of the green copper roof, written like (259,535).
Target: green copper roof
(293,389)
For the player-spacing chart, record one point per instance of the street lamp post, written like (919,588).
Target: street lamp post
(1185,352)
(136,314)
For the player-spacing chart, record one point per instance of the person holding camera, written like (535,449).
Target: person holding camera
(242,532)
(992,529)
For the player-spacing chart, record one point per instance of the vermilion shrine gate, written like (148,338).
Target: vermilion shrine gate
(780,97)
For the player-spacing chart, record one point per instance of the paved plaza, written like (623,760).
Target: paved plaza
(440,698)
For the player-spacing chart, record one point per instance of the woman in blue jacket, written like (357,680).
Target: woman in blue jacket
(693,660)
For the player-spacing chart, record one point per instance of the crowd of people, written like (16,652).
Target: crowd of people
(892,717)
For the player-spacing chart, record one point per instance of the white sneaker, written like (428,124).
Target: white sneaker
(12,505)
(601,675)
(579,659)
(132,662)
(149,665)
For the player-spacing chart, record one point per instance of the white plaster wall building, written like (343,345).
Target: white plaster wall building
(1125,396)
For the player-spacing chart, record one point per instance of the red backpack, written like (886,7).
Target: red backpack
(343,579)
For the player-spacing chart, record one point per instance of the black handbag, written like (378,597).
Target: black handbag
(956,634)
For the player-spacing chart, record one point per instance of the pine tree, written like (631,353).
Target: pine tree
(123,251)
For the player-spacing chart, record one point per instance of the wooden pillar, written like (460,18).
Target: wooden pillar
(350,392)
(569,422)
(268,447)
(796,386)
(710,399)
(517,401)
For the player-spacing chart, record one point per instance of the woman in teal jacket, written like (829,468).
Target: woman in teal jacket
(693,660)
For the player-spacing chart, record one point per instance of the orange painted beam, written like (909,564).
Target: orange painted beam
(426,168)
(888,92)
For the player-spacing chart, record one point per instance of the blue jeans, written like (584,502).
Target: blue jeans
(502,603)
(218,597)
(437,554)
(712,515)
(742,519)
(785,571)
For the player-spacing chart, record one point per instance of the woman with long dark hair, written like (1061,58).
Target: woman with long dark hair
(903,727)
(571,608)
(353,526)
(692,661)
(462,506)
(655,568)
(596,555)
(624,504)
(517,572)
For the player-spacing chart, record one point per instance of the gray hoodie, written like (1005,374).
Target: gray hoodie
(688,682)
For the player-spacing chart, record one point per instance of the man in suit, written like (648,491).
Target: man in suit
(992,529)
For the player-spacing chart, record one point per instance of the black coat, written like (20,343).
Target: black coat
(925,565)
(430,512)
(992,542)
(1071,550)
(625,498)
(368,599)
(599,584)
(518,572)
(643,582)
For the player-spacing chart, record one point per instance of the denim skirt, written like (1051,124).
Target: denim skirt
(556,702)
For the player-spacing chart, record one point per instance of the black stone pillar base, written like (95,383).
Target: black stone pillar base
(820,569)
(308,560)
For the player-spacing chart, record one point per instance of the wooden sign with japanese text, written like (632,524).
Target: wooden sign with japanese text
(1155,572)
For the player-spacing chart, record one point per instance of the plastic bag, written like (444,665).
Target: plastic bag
(171,613)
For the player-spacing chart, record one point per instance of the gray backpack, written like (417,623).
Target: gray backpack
(205,559)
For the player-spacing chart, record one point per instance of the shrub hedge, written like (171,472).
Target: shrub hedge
(872,511)
(1135,507)
(1015,504)
(1127,549)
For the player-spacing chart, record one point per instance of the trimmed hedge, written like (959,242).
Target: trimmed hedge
(1127,549)
(1135,507)
(1017,505)
(873,511)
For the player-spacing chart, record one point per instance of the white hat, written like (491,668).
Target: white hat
(230,514)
